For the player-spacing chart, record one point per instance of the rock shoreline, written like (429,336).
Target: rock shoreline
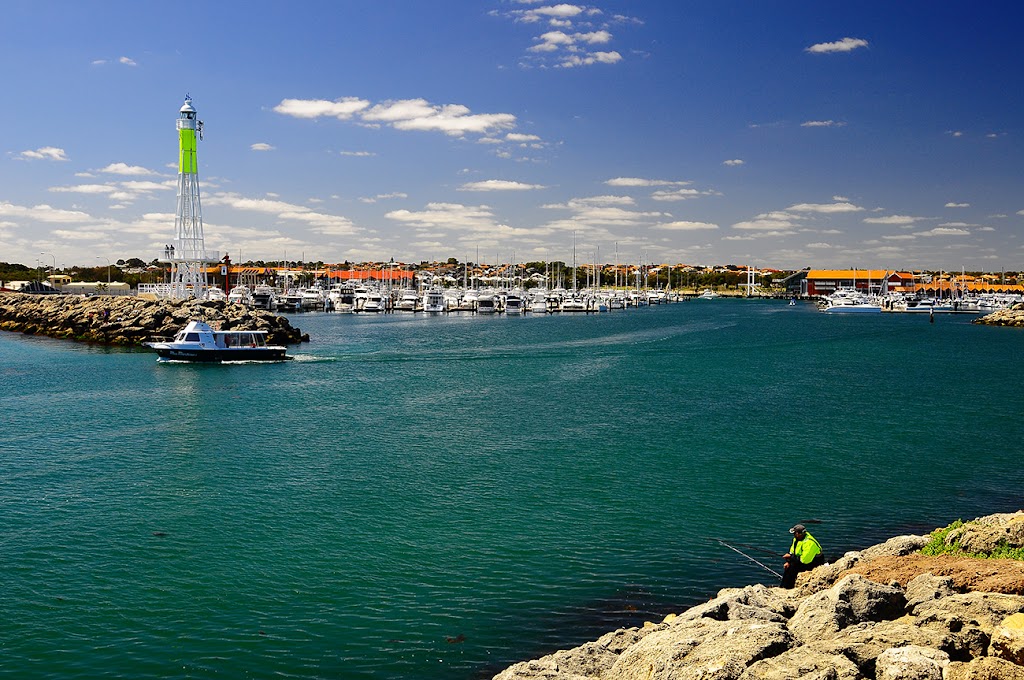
(836,625)
(130,321)
(1014,316)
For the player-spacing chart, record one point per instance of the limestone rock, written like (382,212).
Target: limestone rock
(971,618)
(926,587)
(701,648)
(911,663)
(853,600)
(984,668)
(896,547)
(863,643)
(803,662)
(752,602)
(1008,639)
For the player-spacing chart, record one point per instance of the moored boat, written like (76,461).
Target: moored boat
(198,341)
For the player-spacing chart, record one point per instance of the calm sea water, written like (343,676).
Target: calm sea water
(438,497)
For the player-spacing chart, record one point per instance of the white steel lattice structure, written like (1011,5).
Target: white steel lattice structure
(188,256)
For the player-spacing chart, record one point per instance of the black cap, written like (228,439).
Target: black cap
(798,529)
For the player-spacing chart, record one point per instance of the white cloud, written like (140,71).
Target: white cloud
(342,109)
(406,114)
(899,237)
(943,231)
(734,162)
(770,222)
(826,208)
(844,45)
(499,185)
(822,123)
(128,170)
(322,223)
(685,226)
(381,197)
(519,137)
(574,60)
(42,213)
(639,182)
(958,205)
(820,246)
(261,146)
(127,61)
(357,154)
(679,194)
(893,219)
(51,153)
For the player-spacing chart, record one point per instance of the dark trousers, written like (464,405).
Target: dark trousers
(794,566)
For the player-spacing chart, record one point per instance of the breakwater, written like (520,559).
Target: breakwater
(884,612)
(131,321)
(1014,316)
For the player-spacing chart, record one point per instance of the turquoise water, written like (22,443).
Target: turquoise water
(437,497)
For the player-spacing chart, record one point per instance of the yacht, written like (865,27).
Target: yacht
(514,304)
(241,295)
(486,304)
(848,300)
(264,297)
(708,294)
(408,300)
(433,300)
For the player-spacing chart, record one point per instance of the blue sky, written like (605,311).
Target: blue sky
(778,134)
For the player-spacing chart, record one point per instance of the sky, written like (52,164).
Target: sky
(772,134)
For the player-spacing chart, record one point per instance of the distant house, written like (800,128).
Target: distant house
(826,281)
(96,288)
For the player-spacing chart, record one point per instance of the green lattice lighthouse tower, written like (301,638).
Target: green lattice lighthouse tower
(188,256)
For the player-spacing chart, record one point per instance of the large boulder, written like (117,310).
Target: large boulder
(753,602)
(805,663)
(864,642)
(853,600)
(911,663)
(984,668)
(970,617)
(590,660)
(1008,639)
(702,648)
(927,587)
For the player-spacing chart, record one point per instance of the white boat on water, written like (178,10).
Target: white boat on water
(374,302)
(486,304)
(433,300)
(708,294)
(264,297)
(198,342)
(514,304)
(848,300)
(241,295)
(408,300)
(215,293)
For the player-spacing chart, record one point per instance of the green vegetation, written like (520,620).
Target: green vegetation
(938,546)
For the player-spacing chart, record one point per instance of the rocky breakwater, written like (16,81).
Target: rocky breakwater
(1012,316)
(884,612)
(127,320)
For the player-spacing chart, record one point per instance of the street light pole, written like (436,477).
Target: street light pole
(54,262)
(99,257)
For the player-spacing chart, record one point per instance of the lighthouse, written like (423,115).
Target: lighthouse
(188,256)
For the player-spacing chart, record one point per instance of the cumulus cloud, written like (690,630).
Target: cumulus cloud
(261,146)
(733,162)
(893,219)
(381,197)
(685,226)
(342,109)
(499,185)
(405,114)
(679,194)
(943,231)
(958,205)
(776,222)
(640,182)
(128,170)
(571,34)
(357,154)
(50,153)
(127,61)
(322,223)
(842,207)
(42,213)
(844,45)
(822,123)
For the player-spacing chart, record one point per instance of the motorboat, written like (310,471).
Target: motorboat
(848,300)
(708,294)
(240,295)
(199,342)
(433,300)
(486,304)
(408,300)
(215,293)
(514,304)
(264,297)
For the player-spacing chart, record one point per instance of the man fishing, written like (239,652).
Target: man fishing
(804,554)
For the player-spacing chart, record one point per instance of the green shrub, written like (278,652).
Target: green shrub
(937,546)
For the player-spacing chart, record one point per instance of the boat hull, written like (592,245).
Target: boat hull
(221,355)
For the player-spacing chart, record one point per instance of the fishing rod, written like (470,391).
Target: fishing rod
(763,566)
(773,553)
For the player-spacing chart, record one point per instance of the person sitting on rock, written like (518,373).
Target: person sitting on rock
(804,555)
